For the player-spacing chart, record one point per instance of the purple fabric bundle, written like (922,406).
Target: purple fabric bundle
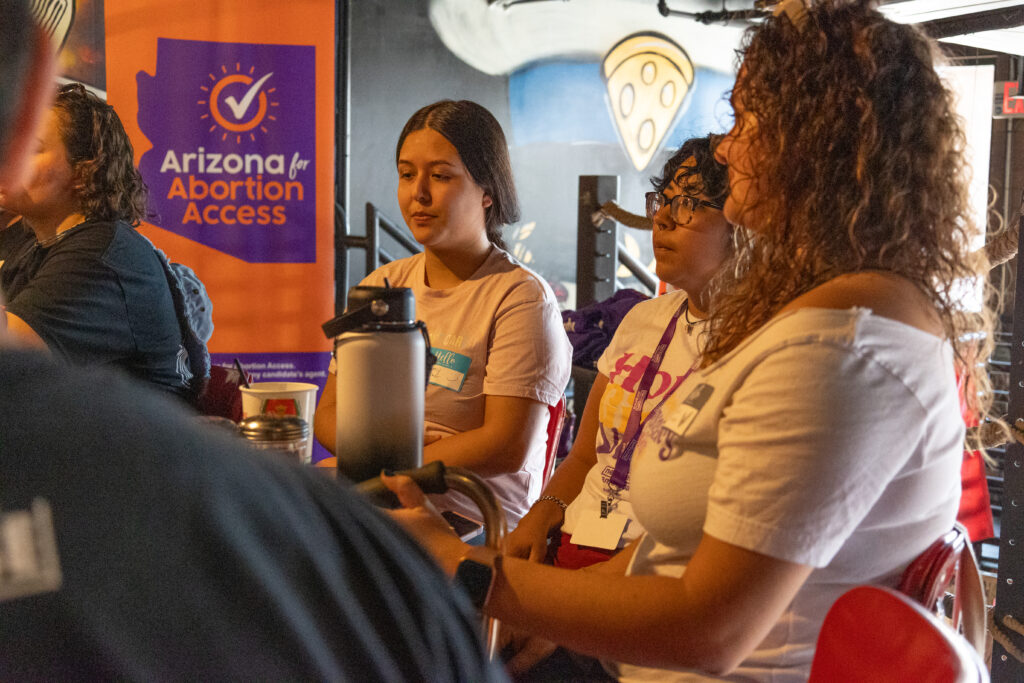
(591,328)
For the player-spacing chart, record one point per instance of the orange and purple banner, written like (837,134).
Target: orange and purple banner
(230,106)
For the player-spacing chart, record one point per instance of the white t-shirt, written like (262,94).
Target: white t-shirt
(623,363)
(498,333)
(829,438)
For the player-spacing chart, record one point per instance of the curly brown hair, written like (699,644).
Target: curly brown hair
(108,184)
(712,176)
(859,165)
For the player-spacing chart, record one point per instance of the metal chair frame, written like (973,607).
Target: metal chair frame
(949,561)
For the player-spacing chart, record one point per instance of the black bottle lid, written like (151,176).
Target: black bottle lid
(374,308)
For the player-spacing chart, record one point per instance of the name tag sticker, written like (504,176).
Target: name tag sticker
(691,407)
(450,370)
(600,532)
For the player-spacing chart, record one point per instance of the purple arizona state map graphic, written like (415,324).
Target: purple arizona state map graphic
(233,160)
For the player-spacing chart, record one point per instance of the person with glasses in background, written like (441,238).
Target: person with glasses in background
(655,348)
(691,238)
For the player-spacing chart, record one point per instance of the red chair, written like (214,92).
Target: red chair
(950,560)
(556,416)
(874,634)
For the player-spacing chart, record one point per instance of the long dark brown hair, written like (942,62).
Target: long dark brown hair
(108,185)
(477,136)
(859,165)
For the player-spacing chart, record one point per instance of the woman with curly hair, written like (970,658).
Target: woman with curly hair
(819,446)
(84,283)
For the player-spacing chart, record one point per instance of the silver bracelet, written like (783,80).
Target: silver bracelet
(554,499)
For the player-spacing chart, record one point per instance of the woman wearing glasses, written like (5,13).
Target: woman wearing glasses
(691,239)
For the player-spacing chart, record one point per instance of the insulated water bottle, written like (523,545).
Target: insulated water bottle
(383,360)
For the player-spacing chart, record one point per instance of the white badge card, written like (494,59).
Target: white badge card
(600,532)
(29,564)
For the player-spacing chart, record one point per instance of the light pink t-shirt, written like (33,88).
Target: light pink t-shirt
(498,333)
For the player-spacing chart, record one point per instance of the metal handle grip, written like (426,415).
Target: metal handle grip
(469,483)
(476,489)
(430,477)
(436,478)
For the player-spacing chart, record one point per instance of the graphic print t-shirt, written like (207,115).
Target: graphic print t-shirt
(624,362)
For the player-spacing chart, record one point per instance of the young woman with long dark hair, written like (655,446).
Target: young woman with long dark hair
(494,324)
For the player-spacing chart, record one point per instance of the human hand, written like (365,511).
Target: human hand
(422,521)
(523,650)
(529,540)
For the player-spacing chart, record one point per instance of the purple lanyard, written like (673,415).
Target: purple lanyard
(624,453)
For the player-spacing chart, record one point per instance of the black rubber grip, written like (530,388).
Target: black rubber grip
(429,477)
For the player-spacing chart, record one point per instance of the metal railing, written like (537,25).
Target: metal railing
(435,478)
(598,254)
(598,250)
(375,254)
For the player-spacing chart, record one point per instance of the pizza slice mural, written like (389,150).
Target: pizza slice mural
(647,77)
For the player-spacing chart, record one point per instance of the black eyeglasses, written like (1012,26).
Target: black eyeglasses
(681,208)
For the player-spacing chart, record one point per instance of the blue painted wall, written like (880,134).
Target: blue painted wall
(567,102)
(561,127)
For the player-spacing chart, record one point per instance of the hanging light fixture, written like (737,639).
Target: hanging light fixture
(647,77)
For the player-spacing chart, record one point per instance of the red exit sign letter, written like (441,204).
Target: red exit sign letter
(1008,102)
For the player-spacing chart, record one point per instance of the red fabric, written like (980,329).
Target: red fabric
(975,511)
(572,556)
(221,395)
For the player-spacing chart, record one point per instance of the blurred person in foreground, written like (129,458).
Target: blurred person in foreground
(137,544)
(819,446)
